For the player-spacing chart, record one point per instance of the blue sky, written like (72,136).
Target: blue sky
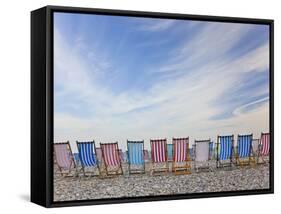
(119,78)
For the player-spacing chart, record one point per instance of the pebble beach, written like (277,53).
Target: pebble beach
(235,178)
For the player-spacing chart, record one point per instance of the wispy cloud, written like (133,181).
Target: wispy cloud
(156,25)
(198,79)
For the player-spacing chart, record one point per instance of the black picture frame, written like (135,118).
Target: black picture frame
(42,104)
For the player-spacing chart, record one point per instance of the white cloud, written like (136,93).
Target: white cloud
(180,107)
(159,25)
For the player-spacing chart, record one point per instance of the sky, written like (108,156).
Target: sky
(119,78)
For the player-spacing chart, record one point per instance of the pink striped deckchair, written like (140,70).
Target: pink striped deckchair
(159,155)
(181,157)
(111,158)
(264,147)
(64,158)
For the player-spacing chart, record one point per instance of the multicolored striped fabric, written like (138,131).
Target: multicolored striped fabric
(86,153)
(202,150)
(265,144)
(244,144)
(110,154)
(226,147)
(63,155)
(158,150)
(170,151)
(135,152)
(180,148)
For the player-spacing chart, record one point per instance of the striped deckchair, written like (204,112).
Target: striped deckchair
(136,156)
(87,158)
(264,147)
(111,158)
(64,158)
(244,154)
(202,154)
(225,153)
(181,158)
(159,156)
(170,152)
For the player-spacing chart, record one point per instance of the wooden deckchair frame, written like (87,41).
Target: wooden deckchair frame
(246,160)
(119,170)
(82,164)
(260,148)
(65,174)
(161,170)
(219,164)
(136,171)
(208,167)
(182,169)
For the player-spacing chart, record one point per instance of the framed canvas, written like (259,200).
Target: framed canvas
(131,106)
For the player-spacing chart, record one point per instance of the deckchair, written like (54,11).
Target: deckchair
(159,156)
(64,158)
(225,147)
(264,147)
(111,158)
(136,157)
(244,154)
(181,158)
(202,154)
(170,152)
(88,159)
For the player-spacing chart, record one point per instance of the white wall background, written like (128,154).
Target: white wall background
(15,105)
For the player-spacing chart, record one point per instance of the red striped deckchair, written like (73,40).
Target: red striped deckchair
(181,156)
(159,155)
(264,147)
(64,158)
(111,158)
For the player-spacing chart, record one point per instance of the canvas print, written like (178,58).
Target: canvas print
(156,107)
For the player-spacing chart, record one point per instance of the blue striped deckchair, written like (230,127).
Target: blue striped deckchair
(170,152)
(225,146)
(136,156)
(87,156)
(244,154)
